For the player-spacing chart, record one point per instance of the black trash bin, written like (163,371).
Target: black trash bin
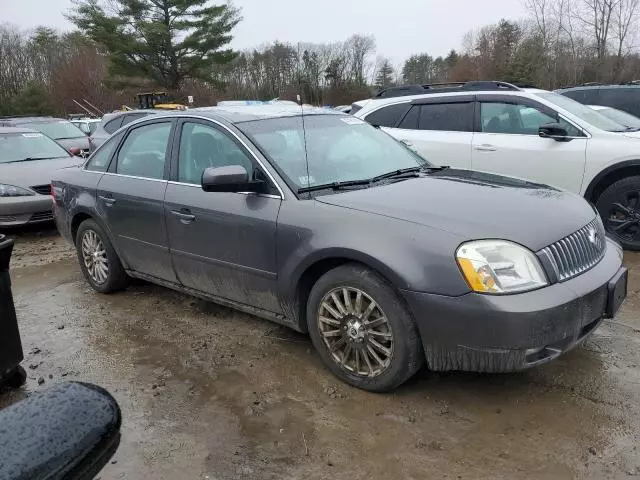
(11,373)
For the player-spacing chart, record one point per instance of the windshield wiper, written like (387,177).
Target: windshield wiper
(29,159)
(334,185)
(408,172)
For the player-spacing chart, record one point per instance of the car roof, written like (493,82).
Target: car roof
(248,113)
(7,130)
(376,102)
(591,87)
(22,120)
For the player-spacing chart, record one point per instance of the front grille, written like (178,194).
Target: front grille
(578,252)
(41,216)
(42,189)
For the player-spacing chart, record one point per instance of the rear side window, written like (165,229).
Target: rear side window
(450,117)
(388,116)
(113,125)
(410,120)
(144,152)
(626,99)
(99,161)
(586,96)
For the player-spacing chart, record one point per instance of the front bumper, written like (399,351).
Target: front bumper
(493,333)
(17,211)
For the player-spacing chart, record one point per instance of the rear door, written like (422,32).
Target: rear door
(223,244)
(506,142)
(439,129)
(131,195)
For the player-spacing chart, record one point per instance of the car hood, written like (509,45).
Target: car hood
(34,172)
(81,142)
(475,205)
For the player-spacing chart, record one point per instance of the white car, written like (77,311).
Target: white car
(523,132)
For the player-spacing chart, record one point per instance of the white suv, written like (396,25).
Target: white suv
(523,132)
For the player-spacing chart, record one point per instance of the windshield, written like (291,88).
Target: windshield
(57,129)
(584,113)
(15,147)
(618,116)
(339,149)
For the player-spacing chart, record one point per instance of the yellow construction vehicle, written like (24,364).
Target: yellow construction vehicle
(158,100)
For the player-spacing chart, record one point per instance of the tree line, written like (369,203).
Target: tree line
(122,47)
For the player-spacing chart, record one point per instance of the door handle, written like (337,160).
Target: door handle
(485,148)
(108,201)
(407,143)
(185,216)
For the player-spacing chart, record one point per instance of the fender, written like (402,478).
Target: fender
(344,253)
(592,188)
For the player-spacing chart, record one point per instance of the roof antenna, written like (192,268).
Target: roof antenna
(304,130)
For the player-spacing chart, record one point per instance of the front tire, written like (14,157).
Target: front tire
(619,207)
(98,259)
(362,329)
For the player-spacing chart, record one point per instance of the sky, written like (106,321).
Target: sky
(401,27)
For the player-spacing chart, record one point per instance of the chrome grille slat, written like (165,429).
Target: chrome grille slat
(578,252)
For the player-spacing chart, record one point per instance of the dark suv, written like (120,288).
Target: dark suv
(622,97)
(330,226)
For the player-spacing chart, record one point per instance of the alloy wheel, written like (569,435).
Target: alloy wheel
(94,256)
(623,219)
(356,331)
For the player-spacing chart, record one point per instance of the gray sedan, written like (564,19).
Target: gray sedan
(327,225)
(27,162)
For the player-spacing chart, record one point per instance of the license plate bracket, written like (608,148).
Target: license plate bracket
(617,292)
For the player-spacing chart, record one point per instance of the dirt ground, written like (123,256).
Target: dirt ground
(208,393)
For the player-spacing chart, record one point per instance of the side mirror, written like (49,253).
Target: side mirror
(554,131)
(70,431)
(233,178)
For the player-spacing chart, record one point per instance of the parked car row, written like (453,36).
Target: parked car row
(390,254)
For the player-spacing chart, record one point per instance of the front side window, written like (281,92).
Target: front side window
(202,147)
(388,116)
(23,147)
(99,161)
(449,117)
(143,153)
(338,148)
(518,119)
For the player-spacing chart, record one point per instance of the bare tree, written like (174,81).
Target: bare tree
(625,21)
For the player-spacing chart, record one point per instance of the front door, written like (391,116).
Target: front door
(507,142)
(131,196)
(223,244)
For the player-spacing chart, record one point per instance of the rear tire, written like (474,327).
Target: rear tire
(619,207)
(362,330)
(98,259)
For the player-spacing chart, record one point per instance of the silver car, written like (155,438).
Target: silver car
(27,162)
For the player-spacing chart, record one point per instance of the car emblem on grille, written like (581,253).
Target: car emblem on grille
(592,236)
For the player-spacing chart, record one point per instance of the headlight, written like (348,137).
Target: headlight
(11,191)
(499,267)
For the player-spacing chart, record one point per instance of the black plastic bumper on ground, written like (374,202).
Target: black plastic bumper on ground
(488,333)
(10,346)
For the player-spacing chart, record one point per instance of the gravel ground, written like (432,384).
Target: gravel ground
(209,393)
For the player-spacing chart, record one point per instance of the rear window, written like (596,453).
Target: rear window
(450,117)
(56,129)
(113,125)
(131,117)
(388,116)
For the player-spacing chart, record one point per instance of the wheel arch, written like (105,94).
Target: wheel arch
(319,264)
(82,215)
(609,176)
